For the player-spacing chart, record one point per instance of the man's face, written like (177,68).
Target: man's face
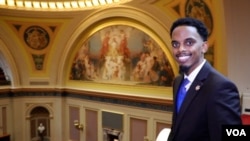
(188,47)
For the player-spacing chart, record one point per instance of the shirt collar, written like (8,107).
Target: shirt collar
(194,73)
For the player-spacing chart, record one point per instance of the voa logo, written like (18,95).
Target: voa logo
(236,132)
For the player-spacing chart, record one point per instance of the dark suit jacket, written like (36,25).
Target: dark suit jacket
(211,101)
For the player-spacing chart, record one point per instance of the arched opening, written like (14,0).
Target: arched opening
(39,124)
(4,80)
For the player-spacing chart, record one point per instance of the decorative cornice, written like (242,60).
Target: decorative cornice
(134,101)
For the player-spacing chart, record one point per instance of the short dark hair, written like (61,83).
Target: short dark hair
(188,21)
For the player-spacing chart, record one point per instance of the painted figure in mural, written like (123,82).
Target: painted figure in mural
(125,52)
(123,47)
(165,75)
(139,70)
(115,51)
(211,99)
(113,48)
(81,66)
(105,45)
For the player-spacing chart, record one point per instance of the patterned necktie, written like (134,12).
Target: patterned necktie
(181,93)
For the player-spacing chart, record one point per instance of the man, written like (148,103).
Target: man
(211,99)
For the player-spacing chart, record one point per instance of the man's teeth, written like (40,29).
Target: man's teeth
(183,58)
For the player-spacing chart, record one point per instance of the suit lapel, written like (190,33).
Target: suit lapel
(192,92)
(176,85)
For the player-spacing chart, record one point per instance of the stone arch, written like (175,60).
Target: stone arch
(30,107)
(124,12)
(8,65)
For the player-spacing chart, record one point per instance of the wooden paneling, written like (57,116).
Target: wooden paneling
(138,129)
(74,114)
(91,125)
(160,126)
(4,120)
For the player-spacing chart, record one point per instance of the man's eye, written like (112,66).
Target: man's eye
(189,42)
(175,44)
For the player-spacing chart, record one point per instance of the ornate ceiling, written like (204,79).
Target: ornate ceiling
(58,5)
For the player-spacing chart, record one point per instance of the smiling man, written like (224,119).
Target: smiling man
(208,100)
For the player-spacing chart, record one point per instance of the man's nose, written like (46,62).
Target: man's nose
(182,47)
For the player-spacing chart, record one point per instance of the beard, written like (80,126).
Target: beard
(183,69)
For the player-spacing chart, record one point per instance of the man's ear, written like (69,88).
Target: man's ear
(204,47)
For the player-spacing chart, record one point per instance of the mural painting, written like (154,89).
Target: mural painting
(198,9)
(122,55)
(36,37)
